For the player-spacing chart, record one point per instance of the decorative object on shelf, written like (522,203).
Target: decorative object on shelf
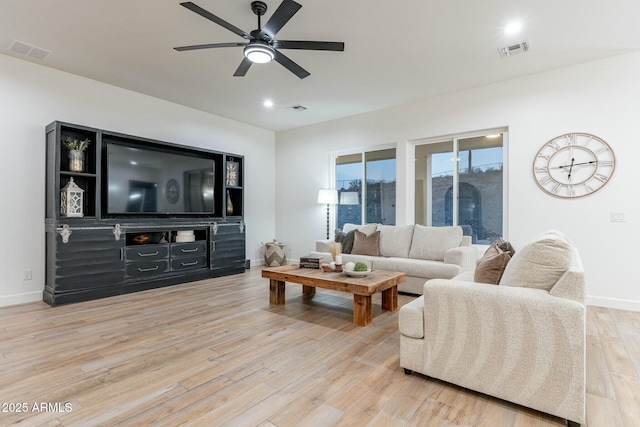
(274,253)
(163,239)
(76,152)
(574,165)
(172,191)
(183,236)
(233,171)
(229,204)
(117,231)
(141,239)
(328,197)
(71,200)
(64,232)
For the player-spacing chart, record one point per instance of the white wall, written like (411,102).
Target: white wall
(33,96)
(599,97)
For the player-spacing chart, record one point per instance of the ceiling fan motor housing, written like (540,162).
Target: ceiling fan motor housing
(259,7)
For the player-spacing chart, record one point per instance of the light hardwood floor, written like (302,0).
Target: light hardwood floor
(216,353)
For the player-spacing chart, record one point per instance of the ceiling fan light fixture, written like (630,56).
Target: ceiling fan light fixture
(260,53)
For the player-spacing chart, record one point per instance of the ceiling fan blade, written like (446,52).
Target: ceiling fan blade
(308,45)
(210,16)
(208,46)
(243,68)
(281,16)
(290,65)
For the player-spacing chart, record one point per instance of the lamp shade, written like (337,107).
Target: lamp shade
(328,197)
(349,198)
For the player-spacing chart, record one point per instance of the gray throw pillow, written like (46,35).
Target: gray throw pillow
(345,240)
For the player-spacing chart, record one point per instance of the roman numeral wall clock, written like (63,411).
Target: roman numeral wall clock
(574,165)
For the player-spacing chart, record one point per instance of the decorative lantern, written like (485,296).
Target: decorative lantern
(71,200)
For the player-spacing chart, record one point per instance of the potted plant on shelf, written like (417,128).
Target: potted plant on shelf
(76,149)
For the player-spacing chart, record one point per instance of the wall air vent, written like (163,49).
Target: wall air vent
(298,107)
(514,49)
(29,50)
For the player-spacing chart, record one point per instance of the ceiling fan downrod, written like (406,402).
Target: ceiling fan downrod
(259,8)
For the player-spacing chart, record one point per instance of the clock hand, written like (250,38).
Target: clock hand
(574,164)
(570,169)
(585,163)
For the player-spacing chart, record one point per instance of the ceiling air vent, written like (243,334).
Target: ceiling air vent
(29,50)
(514,49)
(298,107)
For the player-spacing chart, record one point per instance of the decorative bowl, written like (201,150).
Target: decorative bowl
(141,239)
(354,273)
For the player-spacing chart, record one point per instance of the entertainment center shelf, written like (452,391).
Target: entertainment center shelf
(132,213)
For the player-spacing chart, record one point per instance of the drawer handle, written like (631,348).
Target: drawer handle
(149,254)
(144,270)
(186,251)
(187,264)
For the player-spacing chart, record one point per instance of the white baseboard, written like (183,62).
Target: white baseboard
(620,304)
(8,300)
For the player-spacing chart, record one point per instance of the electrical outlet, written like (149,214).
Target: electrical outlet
(27,274)
(617,216)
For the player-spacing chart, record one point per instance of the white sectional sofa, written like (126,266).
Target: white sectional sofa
(421,252)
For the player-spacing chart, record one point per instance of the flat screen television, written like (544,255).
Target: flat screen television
(144,180)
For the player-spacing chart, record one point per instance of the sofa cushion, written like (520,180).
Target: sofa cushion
(490,267)
(425,269)
(540,263)
(366,245)
(345,240)
(395,240)
(432,242)
(366,229)
(411,318)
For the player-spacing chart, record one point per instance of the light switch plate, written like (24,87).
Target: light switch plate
(617,216)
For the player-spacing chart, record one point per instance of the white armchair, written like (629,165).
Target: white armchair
(522,341)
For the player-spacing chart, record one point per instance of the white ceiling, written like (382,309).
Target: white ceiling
(395,51)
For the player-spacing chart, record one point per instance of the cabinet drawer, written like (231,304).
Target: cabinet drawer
(146,252)
(188,263)
(147,268)
(228,229)
(189,249)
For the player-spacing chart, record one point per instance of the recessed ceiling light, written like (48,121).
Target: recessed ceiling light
(513,28)
(268,103)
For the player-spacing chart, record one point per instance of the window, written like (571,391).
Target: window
(375,201)
(459,181)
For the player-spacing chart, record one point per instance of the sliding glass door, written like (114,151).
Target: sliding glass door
(459,181)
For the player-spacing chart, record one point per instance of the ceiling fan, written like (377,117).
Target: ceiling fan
(261,46)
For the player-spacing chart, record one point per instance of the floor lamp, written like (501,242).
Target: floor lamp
(328,197)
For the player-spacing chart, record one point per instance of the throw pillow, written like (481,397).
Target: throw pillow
(505,246)
(346,240)
(541,263)
(366,245)
(432,242)
(490,267)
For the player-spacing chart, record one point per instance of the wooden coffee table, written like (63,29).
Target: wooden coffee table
(362,288)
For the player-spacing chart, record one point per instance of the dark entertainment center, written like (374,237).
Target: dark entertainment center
(144,214)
